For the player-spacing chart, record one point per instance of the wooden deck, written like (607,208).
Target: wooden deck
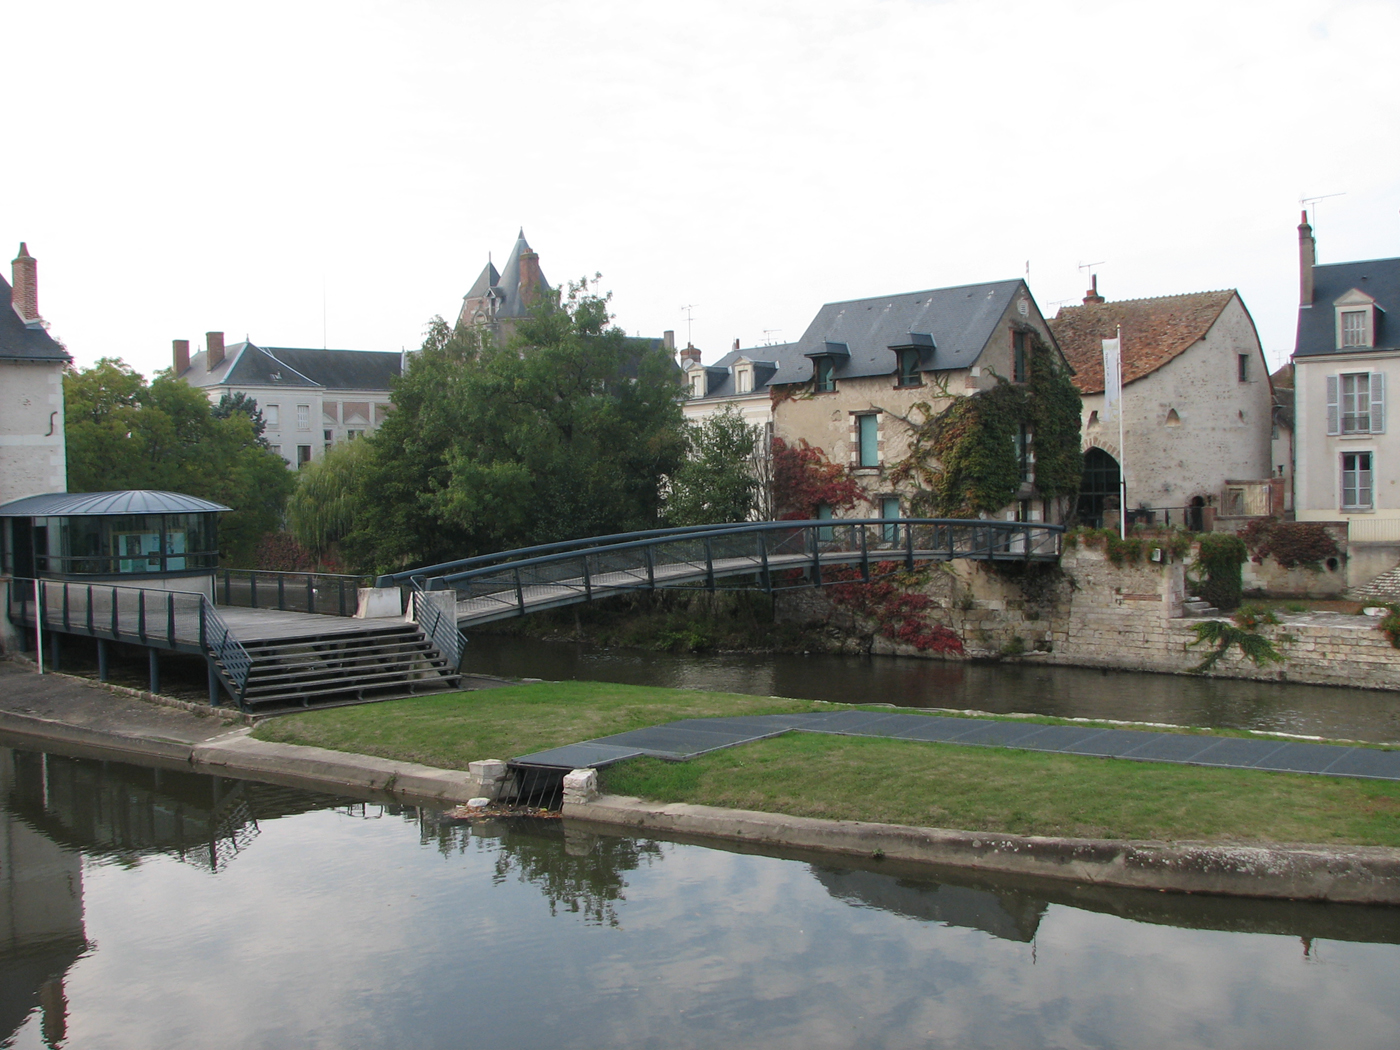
(270,625)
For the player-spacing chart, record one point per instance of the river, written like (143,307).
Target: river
(154,908)
(1005,688)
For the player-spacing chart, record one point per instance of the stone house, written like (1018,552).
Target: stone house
(310,399)
(1346,357)
(1198,410)
(499,299)
(853,378)
(33,456)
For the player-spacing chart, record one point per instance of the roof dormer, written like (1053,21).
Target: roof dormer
(1356,320)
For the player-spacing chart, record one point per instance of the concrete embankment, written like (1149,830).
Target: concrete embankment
(74,716)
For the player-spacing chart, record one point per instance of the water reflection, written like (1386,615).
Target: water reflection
(1004,688)
(382,925)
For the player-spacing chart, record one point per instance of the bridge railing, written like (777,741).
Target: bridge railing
(184,621)
(778,554)
(330,594)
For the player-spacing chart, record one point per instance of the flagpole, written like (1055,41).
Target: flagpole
(1122,456)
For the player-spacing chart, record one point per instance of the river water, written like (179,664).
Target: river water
(1004,688)
(149,908)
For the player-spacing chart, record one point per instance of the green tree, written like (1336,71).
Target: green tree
(241,402)
(331,497)
(567,431)
(716,483)
(123,433)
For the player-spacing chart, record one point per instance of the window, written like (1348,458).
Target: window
(697,384)
(272,416)
(1354,328)
(1356,481)
(1025,452)
(1244,368)
(743,380)
(1020,356)
(1356,403)
(909,372)
(868,441)
(303,455)
(825,369)
(889,510)
(825,513)
(351,435)
(303,417)
(277,449)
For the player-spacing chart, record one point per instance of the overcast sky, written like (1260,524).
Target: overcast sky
(309,173)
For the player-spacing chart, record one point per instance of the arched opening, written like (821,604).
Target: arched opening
(1173,420)
(1196,514)
(1098,486)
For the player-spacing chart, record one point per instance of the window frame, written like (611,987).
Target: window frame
(824,374)
(1020,357)
(303,417)
(1338,398)
(889,533)
(1357,470)
(867,441)
(272,416)
(906,376)
(1243,371)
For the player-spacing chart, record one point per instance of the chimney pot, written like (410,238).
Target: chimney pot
(690,356)
(182,355)
(1092,296)
(736,342)
(25,273)
(1307,259)
(668,340)
(214,346)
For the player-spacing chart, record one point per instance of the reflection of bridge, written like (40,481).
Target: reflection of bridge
(770,555)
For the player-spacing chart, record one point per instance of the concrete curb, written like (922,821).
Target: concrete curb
(47,731)
(1349,874)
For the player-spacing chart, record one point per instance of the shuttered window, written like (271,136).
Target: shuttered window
(1356,403)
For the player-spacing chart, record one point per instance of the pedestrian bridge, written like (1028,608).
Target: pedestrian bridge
(768,556)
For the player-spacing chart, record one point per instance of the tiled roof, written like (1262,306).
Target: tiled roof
(1154,332)
(24,342)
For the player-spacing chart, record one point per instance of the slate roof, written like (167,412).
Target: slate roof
(24,342)
(959,320)
(128,501)
(1378,278)
(1154,332)
(248,365)
(767,360)
(505,286)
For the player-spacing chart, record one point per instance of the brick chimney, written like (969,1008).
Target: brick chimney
(1092,296)
(214,344)
(25,272)
(690,356)
(736,342)
(182,355)
(1307,259)
(668,340)
(529,277)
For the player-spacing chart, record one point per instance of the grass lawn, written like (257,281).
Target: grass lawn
(451,729)
(852,778)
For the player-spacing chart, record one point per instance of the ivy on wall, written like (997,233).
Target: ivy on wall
(804,479)
(963,461)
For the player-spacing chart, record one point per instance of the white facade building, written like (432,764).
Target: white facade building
(33,456)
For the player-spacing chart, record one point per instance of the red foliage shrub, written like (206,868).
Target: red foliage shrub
(804,479)
(897,611)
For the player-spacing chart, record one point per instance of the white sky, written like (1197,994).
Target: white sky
(181,167)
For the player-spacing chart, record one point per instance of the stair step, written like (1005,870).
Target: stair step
(343,681)
(369,637)
(412,686)
(290,680)
(347,657)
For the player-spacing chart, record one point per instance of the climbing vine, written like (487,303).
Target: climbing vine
(963,461)
(1221,555)
(804,479)
(1290,543)
(895,605)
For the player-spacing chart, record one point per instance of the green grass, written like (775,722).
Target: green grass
(451,729)
(1020,792)
(852,778)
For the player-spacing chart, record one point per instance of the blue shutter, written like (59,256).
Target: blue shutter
(869,441)
(1334,422)
(1377,402)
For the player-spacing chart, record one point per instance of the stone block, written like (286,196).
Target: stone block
(581,785)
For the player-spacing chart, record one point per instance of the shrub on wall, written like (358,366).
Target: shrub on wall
(1290,543)
(1221,556)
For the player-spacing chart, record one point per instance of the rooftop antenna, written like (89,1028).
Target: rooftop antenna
(324,343)
(689,318)
(1090,266)
(1305,201)
(768,334)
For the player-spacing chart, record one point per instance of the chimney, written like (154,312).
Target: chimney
(1307,259)
(214,343)
(25,271)
(529,278)
(1092,296)
(668,340)
(690,356)
(736,342)
(182,355)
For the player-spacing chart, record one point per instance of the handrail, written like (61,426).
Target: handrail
(652,538)
(438,623)
(302,596)
(226,649)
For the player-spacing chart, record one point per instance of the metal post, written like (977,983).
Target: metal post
(341,584)
(66,624)
(281,593)
(310,593)
(54,636)
(709,566)
(89,610)
(154,655)
(141,617)
(253,589)
(39,623)
(651,566)
(909,546)
(213,681)
(116,619)
(764,575)
(587,583)
(816,556)
(102,659)
(519,594)
(864,554)
(170,618)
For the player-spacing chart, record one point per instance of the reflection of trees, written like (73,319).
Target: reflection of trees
(577,871)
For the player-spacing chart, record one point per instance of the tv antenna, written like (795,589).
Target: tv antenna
(768,334)
(1305,201)
(1089,267)
(689,309)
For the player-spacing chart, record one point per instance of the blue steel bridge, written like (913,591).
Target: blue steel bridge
(276,641)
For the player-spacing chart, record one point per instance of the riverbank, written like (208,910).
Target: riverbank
(77,716)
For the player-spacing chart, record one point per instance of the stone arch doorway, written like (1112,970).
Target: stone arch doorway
(1099,485)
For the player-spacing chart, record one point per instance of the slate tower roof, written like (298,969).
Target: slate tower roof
(508,294)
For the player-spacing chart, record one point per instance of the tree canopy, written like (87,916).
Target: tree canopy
(568,430)
(123,433)
(716,482)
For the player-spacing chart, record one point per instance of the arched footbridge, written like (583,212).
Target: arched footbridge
(768,555)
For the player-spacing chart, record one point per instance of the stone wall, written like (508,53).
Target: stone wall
(1091,613)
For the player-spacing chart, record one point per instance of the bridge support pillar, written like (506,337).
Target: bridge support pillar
(54,650)
(154,658)
(102,659)
(213,681)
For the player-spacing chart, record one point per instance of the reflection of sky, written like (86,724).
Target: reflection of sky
(333,931)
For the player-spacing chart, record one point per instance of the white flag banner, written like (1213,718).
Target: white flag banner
(1112,379)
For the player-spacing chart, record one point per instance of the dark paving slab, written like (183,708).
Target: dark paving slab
(580,756)
(1106,743)
(1002,734)
(1169,747)
(1237,753)
(944,730)
(853,721)
(1302,758)
(1367,762)
(1058,738)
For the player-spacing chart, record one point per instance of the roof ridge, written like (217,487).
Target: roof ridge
(1155,298)
(925,291)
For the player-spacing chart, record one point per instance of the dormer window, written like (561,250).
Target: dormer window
(743,379)
(1356,320)
(697,383)
(825,371)
(909,372)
